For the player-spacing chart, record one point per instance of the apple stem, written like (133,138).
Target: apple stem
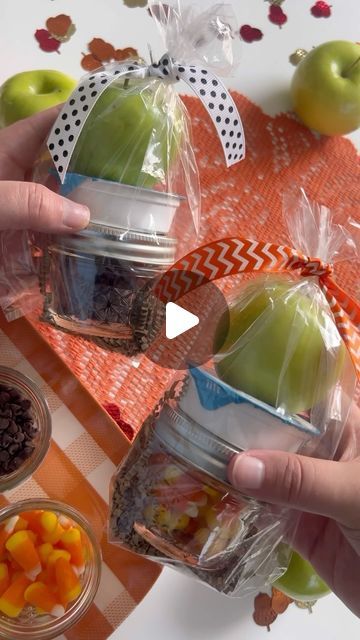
(345,74)
(126,83)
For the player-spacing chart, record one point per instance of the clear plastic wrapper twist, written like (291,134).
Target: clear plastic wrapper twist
(122,146)
(282,379)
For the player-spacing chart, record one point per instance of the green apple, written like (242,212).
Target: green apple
(281,347)
(325,88)
(301,582)
(28,92)
(131,135)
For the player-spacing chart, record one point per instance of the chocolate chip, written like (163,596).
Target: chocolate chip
(13,448)
(19,437)
(17,429)
(6,440)
(4,423)
(13,428)
(28,449)
(16,463)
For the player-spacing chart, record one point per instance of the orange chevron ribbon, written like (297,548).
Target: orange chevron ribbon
(231,256)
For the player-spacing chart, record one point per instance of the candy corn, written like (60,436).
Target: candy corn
(44,550)
(4,577)
(22,549)
(68,583)
(6,531)
(12,600)
(42,556)
(71,541)
(51,561)
(39,595)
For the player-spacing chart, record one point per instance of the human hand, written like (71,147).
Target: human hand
(327,493)
(25,205)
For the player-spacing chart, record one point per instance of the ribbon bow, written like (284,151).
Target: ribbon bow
(207,86)
(231,256)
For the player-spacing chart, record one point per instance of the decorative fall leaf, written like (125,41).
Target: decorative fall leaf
(276,15)
(103,51)
(321,9)
(264,615)
(250,34)
(90,63)
(46,41)
(125,54)
(61,27)
(279,601)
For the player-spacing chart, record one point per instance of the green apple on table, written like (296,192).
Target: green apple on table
(28,92)
(301,582)
(325,88)
(281,347)
(132,135)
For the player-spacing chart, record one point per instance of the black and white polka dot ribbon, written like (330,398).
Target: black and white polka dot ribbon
(207,86)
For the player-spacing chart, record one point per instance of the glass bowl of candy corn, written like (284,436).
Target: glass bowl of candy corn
(50,566)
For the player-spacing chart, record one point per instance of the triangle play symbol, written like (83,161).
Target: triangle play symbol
(178,320)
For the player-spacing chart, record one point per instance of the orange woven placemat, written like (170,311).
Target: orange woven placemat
(246,200)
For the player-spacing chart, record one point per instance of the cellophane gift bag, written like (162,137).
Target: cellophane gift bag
(122,145)
(283,377)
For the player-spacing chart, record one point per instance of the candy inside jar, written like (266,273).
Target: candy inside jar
(101,285)
(171,498)
(187,515)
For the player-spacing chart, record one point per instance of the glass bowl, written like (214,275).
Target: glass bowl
(37,424)
(32,624)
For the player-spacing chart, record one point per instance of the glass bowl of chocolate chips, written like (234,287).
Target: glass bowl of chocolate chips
(25,428)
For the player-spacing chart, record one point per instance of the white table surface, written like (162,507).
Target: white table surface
(177,607)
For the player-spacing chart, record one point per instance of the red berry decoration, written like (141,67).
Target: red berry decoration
(276,15)
(250,34)
(46,41)
(321,9)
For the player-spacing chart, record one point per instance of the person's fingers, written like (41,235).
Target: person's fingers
(25,205)
(324,487)
(20,142)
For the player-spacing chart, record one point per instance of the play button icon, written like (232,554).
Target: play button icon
(188,334)
(178,320)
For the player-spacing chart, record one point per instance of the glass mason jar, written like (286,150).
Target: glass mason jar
(25,428)
(172,499)
(32,624)
(99,283)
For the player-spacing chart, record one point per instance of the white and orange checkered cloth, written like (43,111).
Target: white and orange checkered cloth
(85,449)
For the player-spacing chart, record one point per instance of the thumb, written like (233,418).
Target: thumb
(323,487)
(25,205)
